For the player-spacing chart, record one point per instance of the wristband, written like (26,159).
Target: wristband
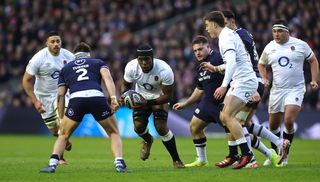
(113,98)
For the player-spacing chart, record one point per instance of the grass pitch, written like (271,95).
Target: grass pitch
(22,156)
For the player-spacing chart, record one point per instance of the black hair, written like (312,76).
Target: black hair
(144,50)
(52,33)
(200,39)
(228,14)
(281,22)
(215,16)
(81,47)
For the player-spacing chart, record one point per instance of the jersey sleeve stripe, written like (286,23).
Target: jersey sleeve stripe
(229,50)
(309,56)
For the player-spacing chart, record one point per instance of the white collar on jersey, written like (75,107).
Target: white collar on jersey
(79,55)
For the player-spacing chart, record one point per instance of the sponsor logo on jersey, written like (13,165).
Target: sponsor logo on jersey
(79,61)
(147,86)
(156,78)
(55,74)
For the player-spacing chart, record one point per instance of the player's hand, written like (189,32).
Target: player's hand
(314,85)
(114,104)
(39,106)
(256,97)
(220,92)
(178,106)
(207,67)
(141,104)
(121,100)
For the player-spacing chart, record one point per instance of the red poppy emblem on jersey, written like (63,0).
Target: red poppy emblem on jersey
(156,78)
(292,48)
(64,61)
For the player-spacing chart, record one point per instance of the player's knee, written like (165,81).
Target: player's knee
(139,128)
(160,114)
(162,129)
(64,136)
(242,116)
(225,118)
(222,117)
(194,128)
(290,119)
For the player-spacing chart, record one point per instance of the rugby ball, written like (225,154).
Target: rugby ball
(132,99)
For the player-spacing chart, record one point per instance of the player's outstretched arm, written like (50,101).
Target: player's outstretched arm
(195,97)
(111,88)
(62,90)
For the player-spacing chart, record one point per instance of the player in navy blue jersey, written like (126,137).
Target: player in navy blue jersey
(208,107)
(83,78)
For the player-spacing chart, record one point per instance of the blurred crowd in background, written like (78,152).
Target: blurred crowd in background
(114,29)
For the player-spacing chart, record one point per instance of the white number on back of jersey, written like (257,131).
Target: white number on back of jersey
(83,72)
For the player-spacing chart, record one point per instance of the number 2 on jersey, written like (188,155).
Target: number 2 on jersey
(83,72)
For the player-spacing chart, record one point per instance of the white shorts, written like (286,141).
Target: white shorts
(50,116)
(279,98)
(243,90)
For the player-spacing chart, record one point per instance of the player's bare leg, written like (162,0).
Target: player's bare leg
(111,128)
(66,129)
(55,132)
(141,129)
(232,106)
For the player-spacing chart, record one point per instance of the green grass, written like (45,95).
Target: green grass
(22,156)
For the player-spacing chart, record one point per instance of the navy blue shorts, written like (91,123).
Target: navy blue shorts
(97,106)
(208,111)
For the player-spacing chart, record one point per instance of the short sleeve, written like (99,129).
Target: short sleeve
(33,65)
(168,77)
(129,73)
(263,58)
(308,53)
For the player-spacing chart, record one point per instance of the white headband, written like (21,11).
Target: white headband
(82,55)
(280,26)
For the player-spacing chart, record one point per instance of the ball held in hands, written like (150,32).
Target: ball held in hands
(133,99)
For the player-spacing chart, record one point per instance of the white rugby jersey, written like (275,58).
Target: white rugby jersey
(46,68)
(287,61)
(148,84)
(239,70)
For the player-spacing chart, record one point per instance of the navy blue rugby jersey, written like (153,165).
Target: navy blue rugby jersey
(209,82)
(248,41)
(82,74)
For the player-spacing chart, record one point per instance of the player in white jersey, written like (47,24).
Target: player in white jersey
(286,56)
(44,67)
(153,78)
(244,81)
